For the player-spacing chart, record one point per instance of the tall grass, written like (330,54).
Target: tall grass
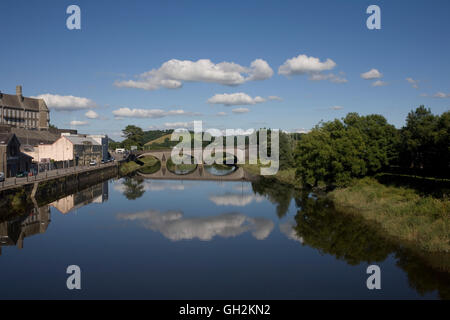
(423,221)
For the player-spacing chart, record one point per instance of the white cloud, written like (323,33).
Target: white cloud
(379,83)
(336,108)
(230,132)
(239,99)
(330,76)
(441,95)
(155,185)
(288,229)
(301,130)
(414,83)
(175,227)
(303,64)
(259,70)
(91,114)
(78,123)
(221,114)
(371,74)
(240,110)
(238,132)
(173,73)
(235,199)
(177,125)
(149,113)
(235,99)
(66,103)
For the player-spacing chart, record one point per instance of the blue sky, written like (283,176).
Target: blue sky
(120,40)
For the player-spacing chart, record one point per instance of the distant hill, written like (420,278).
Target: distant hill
(159,140)
(151,135)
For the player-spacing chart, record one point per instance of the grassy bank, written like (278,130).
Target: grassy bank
(419,220)
(286,176)
(131,166)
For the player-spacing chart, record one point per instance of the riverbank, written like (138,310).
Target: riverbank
(286,176)
(419,221)
(129,167)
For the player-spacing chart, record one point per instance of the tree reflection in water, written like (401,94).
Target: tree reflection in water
(133,187)
(352,239)
(279,194)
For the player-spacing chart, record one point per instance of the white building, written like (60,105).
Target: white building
(77,148)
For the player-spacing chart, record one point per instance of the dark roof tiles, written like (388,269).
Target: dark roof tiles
(12,100)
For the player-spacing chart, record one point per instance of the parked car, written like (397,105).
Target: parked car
(22,174)
(93,163)
(2,177)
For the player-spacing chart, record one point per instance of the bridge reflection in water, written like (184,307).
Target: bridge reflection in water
(200,172)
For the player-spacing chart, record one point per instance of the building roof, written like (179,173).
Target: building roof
(12,100)
(77,140)
(34,137)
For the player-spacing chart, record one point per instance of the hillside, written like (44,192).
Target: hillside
(159,140)
(154,134)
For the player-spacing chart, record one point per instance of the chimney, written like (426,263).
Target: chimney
(19,91)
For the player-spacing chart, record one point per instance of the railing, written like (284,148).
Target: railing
(15,181)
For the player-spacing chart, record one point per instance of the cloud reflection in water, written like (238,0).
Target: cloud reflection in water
(175,227)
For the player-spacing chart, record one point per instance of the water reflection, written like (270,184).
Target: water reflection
(36,220)
(305,221)
(279,194)
(174,226)
(95,194)
(288,229)
(236,199)
(221,169)
(346,237)
(14,231)
(135,187)
(349,238)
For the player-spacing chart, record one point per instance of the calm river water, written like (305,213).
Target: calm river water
(158,239)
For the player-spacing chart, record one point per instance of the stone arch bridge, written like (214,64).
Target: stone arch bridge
(199,173)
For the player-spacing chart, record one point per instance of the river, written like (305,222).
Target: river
(181,239)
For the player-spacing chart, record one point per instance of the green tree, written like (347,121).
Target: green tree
(381,139)
(337,151)
(133,136)
(426,141)
(442,144)
(285,147)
